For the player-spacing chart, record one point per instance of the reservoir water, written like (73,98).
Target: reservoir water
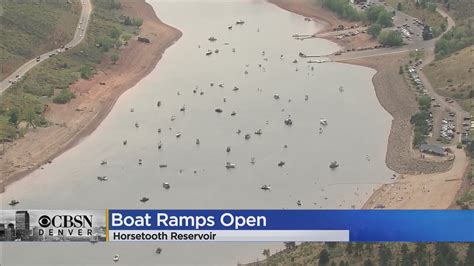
(356,136)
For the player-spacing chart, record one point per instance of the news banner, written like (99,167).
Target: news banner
(238,225)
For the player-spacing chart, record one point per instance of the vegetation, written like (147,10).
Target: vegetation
(378,14)
(390,38)
(442,254)
(48,83)
(46,24)
(343,9)
(424,10)
(374,30)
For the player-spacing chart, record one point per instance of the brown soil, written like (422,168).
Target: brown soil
(79,118)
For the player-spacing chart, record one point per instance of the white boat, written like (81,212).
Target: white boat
(103,162)
(166,185)
(229,165)
(116,258)
(178,134)
(102,178)
(266,187)
(258,132)
(323,122)
(239,22)
(276,96)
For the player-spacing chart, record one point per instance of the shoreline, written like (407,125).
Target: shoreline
(79,118)
(441,178)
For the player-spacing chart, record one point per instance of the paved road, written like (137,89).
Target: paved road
(417,44)
(78,37)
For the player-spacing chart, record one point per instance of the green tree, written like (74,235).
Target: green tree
(374,30)
(114,57)
(115,33)
(13,116)
(30,117)
(385,19)
(368,262)
(470,255)
(385,255)
(404,250)
(323,257)
(138,22)
(425,102)
(390,38)
(349,248)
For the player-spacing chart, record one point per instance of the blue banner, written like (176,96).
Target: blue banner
(362,225)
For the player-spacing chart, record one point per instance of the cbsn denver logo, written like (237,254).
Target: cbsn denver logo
(65,225)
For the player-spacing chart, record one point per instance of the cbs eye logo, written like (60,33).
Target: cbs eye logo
(44,221)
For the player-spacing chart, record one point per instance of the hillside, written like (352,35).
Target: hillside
(369,254)
(23,105)
(30,28)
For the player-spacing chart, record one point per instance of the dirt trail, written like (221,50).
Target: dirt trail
(80,117)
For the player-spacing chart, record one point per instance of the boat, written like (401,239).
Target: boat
(132,110)
(252,160)
(124,142)
(144,199)
(212,39)
(301,54)
(216,51)
(239,131)
(178,134)
(221,85)
(229,28)
(158,251)
(288,122)
(341,89)
(116,258)
(163,165)
(166,185)
(102,178)
(137,125)
(281,163)
(323,122)
(239,22)
(229,165)
(233,113)
(266,187)
(209,52)
(258,132)
(333,165)
(247,136)
(298,202)
(160,145)
(233,50)
(158,103)
(235,89)
(13,202)
(227,149)
(306,97)
(276,96)
(183,108)
(103,162)
(198,142)
(218,110)
(295,61)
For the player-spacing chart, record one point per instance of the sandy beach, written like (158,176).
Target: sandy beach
(422,184)
(79,118)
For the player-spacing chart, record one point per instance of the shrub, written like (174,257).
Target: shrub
(390,38)
(63,97)
(374,30)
